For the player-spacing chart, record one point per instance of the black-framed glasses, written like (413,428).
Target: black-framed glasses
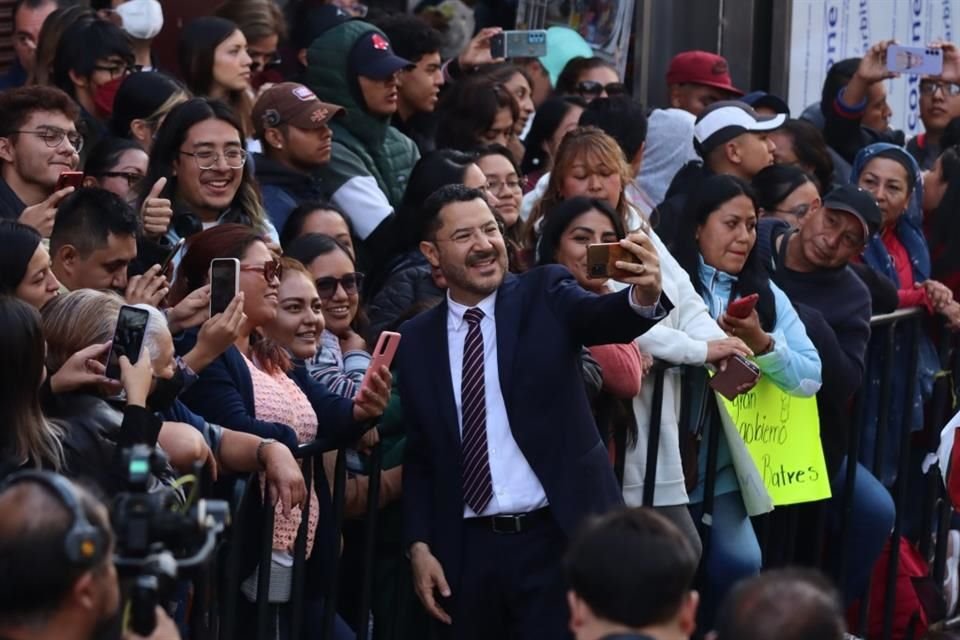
(327,286)
(53,136)
(133,179)
(594,88)
(260,61)
(270,270)
(115,70)
(235,158)
(949,89)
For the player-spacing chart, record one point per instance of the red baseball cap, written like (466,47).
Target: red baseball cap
(701,67)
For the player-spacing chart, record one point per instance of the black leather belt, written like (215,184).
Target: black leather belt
(511,523)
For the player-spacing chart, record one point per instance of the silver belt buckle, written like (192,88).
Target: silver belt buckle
(514,519)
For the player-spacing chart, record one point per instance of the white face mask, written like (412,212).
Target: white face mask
(142,19)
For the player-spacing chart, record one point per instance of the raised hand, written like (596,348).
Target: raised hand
(646,280)
(42,215)
(156,212)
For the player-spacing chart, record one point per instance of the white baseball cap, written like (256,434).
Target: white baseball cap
(725,120)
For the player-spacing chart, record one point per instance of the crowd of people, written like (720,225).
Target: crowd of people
(369,173)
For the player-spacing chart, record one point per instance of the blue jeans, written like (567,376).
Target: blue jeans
(733,553)
(871,521)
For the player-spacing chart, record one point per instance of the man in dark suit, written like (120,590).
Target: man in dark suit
(503,458)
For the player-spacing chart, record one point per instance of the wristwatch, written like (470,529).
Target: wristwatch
(260,447)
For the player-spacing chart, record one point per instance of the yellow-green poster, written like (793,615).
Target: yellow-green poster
(782,434)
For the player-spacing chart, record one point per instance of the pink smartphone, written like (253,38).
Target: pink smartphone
(383,355)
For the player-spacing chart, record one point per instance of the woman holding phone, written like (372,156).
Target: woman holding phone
(254,386)
(342,359)
(717,251)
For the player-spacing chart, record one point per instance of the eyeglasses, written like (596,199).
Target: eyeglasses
(929,87)
(206,160)
(53,136)
(355,9)
(801,209)
(264,60)
(594,88)
(270,270)
(327,287)
(133,179)
(495,186)
(115,71)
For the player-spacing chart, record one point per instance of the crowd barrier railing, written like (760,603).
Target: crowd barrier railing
(777,549)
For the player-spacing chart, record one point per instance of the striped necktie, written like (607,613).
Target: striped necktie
(477,483)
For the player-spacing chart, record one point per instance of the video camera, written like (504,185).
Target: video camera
(160,534)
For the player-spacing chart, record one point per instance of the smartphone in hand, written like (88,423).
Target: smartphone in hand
(743,307)
(165,265)
(69,179)
(127,338)
(602,261)
(224,283)
(739,371)
(915,61)
(383,354)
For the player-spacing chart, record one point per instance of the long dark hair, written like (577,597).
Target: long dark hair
(293,227)
(196,53)
(556,221)
(712,193)
(19,243)
(772,185)
(26,436)
(246,205)
(545,123)
(106,154)
(946,228)
(469,109)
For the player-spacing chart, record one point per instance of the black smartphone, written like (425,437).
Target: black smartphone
(127,339)
(224,283)
(170,256)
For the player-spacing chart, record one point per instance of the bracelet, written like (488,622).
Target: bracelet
(260,447)
(769,348)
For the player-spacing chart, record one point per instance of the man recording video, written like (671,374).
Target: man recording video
(56,550)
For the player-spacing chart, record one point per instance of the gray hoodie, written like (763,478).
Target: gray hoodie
(669,146)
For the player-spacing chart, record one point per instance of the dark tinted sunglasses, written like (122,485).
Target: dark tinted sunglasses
(327,287)
(593,88)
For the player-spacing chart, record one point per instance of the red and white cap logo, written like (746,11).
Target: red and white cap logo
(379,42)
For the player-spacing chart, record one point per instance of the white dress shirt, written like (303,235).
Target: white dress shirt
(516,488)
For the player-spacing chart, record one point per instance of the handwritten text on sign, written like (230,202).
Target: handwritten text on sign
(782,434)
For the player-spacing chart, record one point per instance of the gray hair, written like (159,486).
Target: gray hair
(156,327)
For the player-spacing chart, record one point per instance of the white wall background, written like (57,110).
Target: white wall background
(825,31)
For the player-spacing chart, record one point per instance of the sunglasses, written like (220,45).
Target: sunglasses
(327,287)
(594,88)
(270,270)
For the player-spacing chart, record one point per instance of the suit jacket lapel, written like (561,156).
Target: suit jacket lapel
(508,330)
(438,361)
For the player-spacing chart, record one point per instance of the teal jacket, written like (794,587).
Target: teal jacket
(371,160)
